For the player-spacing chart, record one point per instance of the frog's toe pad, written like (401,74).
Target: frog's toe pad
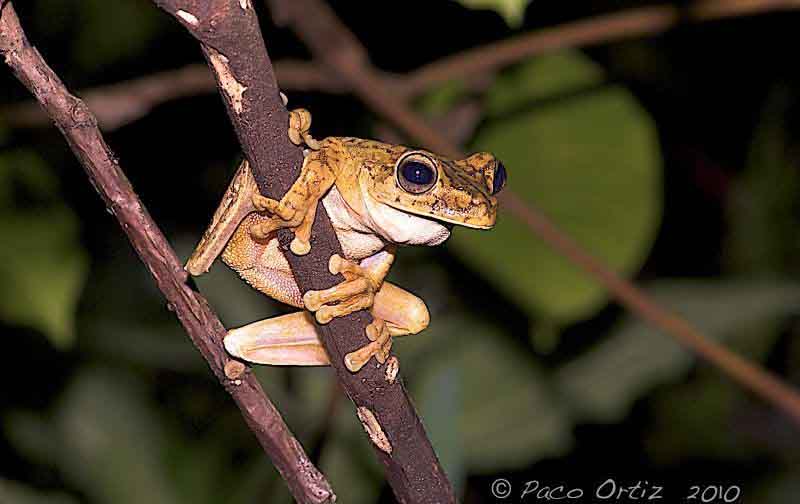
(379,347)
(300,247)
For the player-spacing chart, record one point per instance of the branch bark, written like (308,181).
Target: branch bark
(602,29)
(333,44)
(119,104)
(231,40)
(204,328)
(116,105)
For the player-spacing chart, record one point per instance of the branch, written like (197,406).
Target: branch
(119,104)
(122,103)
(231,40)
(332,43)
(79,127)
(624,25)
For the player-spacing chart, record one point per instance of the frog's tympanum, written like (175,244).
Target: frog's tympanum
(377,196)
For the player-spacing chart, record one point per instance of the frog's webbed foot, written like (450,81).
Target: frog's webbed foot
(356,293)
(380,344)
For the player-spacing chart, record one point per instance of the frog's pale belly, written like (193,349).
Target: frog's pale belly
(265,268)
(357,240)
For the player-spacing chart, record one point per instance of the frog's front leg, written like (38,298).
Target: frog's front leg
(296,210)
(298,207)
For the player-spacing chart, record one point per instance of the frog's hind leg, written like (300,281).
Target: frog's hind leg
(236,205)
(292,340)
(287,340)
(396,312)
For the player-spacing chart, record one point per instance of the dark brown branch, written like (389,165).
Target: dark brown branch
(79,127)
(122,103)
(624,25)
(231,40)
(334,45)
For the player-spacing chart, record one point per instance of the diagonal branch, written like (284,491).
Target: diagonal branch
(231,40)
(122,103)
(116,105)
(602,29)
(79,127)
(333,44)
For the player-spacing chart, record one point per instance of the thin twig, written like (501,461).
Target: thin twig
(333,44)
(604,29)
(122,103)
(119,104)
(204,328)
(230,37)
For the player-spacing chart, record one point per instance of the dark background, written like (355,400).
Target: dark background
(104,400)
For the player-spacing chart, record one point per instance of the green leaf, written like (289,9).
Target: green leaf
(484,395)
(111,442)
(602,384)
(41,261)
(590,161)
(349,463)
(17,493)
(439,398)
(763,208)
(513,11)
(706,405)
(102,35)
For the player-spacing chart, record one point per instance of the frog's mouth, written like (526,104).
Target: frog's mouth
(481,222)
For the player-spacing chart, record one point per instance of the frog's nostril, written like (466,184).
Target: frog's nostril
(499,180)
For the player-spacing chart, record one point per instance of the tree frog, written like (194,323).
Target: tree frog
(377,196)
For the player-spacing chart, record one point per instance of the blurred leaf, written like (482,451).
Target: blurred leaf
(41,260)
(705,405)
(349,463)
(105,34)
(486,394)
(602,384)
(31,436)
(711,403)
(590,161)
(440,397)
(251,480)
(111,443)
(763,212)
(779,487)
(512,11)
(15,493)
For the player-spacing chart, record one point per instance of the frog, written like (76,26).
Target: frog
(378,196)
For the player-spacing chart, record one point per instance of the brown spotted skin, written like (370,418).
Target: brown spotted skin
(371,211)
(461,195)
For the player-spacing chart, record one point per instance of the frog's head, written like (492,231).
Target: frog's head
(451,191)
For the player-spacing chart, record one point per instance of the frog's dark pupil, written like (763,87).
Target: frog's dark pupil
(417,173)
(499,178)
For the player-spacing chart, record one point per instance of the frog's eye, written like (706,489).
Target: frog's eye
(499,179)
(416,174)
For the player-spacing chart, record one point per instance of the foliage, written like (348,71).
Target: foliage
(679,173)
(605,191)
(41,262)
(511,10)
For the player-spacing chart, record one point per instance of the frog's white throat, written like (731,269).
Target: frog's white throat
(387,223)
